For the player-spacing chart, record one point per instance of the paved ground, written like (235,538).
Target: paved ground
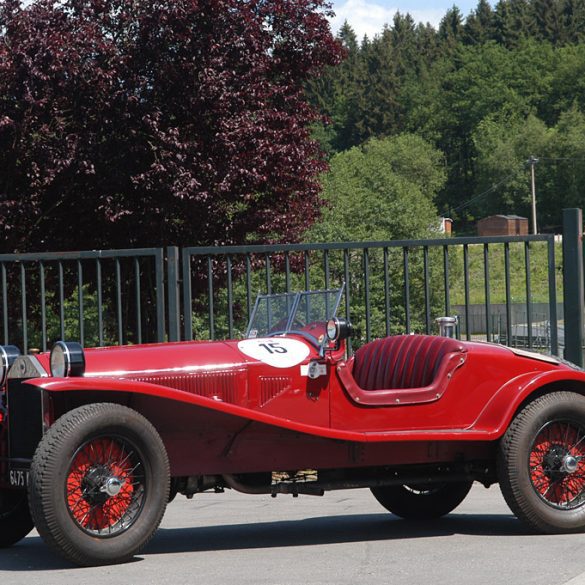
(344,538)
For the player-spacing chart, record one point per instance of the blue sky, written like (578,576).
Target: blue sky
(368,16)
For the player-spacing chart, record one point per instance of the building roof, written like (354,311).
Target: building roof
(504,217)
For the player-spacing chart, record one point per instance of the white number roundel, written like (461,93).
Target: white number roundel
(278,352)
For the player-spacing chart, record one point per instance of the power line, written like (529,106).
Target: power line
(563,158)
(483,193)
(505,180)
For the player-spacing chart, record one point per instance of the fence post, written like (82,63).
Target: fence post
(573,293)
(173,293)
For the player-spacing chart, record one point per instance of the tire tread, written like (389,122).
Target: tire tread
(510,452)
(45,459)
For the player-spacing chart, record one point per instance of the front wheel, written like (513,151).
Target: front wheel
(99,484)
(15,520)
(422,501)
(541,464)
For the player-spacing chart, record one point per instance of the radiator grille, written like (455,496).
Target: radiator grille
(25,418)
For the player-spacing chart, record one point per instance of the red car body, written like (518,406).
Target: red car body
(204,397)
(407,416)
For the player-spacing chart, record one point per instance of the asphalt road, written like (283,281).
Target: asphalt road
(343,538)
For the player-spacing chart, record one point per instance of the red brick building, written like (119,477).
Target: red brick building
(503,225)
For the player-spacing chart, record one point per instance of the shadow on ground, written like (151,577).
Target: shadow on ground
(33,554)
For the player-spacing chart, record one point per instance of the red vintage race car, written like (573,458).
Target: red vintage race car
(95,443)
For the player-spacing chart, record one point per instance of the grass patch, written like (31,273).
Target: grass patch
(538,271)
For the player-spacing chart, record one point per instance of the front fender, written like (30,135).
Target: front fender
(107,385)
(501,408)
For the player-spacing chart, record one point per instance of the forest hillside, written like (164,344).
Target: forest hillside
(487,90)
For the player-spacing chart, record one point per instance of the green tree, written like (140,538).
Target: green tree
(504,143)
(332,93)
(458,95)
(479,25)
(513,22)
(565,168)
(451,29)
(383,190)
(574,20)
(568,82)
(549,20)
(378,90)
(351,78)
(522,58)
(404,42)
(427,44)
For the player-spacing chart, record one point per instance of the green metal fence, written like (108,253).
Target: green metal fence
(391,287)
(136,296)
(97,297)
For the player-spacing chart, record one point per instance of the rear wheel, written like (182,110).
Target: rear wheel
(541,464)
(15,520)
(422,501)
(99,484)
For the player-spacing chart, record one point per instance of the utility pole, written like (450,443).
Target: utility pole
(532,161)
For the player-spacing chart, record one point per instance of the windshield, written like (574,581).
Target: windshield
(304,312)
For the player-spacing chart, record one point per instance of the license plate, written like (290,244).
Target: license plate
(19,478)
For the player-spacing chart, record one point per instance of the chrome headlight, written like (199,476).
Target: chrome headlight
(338,329)
(8,353)
(67,359)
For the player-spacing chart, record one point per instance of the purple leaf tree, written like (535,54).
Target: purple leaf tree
(130,123)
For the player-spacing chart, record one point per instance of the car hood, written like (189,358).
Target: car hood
(163,359)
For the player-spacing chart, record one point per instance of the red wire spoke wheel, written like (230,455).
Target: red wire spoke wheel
(99,484)
(106,486)
(557,464)
(541,463)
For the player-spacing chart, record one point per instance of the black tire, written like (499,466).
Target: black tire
(422,501)
(541,464)
(99,484)
(15,520)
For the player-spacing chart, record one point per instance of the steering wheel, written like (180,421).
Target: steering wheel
(316,328)
(312,332)
(279,328)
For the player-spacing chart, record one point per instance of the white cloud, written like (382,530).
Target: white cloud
(368,18)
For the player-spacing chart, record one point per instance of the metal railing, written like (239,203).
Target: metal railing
(391,287)
(97,297)
(136,296)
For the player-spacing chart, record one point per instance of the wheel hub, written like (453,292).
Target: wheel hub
(558,463)
(112,486)
(570,464)
(555,460)
(99,485)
